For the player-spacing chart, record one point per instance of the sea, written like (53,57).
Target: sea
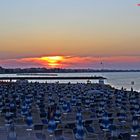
(115,79)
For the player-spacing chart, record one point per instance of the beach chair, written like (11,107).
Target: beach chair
(125,136)
(44,121)
(12,134)
(43,114)
(3,133)
(38,129)
(90,132)
(58,134)
(70,126)
(89,129)
(88,122)
(40,136)
(112,138)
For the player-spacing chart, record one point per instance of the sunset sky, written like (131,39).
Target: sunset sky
(70,33)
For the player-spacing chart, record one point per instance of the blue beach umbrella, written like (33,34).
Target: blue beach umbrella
(73,101)
(122,115)
(87,103)
(136,109)
(79,130)
(51,125)
(105,123)
(29,120)
(61,101)
(79,116)
(1,106)
(13,109)
(24,110)
(135,125)
(65,107)
(8,118)
(58,115)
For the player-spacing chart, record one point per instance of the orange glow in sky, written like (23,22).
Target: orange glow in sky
(52,61)
(118,62)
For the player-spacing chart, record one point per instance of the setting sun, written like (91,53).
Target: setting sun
(53,61)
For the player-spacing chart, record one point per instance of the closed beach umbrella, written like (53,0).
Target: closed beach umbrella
(29,120)
(51,125)
(58,114)
(135,125)
(79,131)
(8,118)
(79,116)
(105,123)
(24,110)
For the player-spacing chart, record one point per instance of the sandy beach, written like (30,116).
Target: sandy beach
(46,111)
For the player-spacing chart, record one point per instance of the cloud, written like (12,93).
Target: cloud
(118,62)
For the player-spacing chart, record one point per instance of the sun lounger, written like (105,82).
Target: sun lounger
(59,134)
(40,136)
(125,136)
(38,127)
(90,129)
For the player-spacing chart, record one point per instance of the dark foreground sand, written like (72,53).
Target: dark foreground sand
(29,111)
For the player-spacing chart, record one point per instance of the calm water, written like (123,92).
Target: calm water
(116,79)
